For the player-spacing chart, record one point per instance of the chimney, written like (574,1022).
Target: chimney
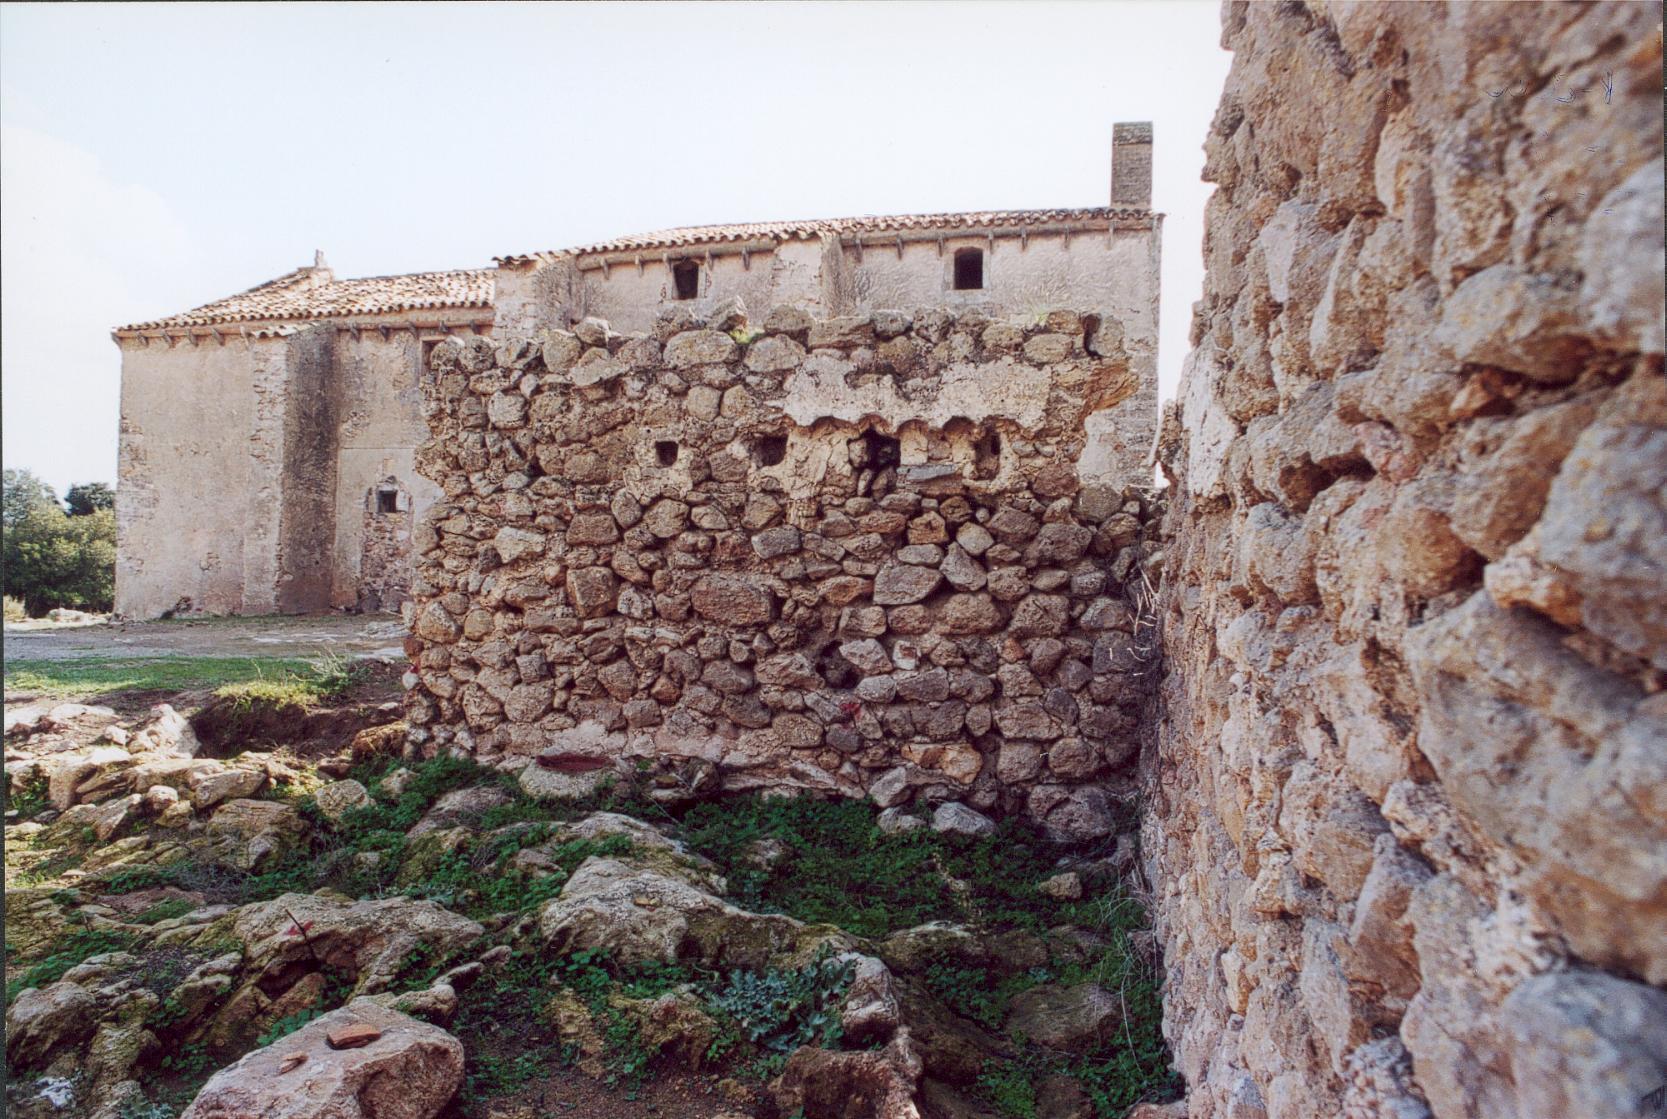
(1131,165)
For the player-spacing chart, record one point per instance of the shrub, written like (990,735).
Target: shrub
(15,611)
(51,558)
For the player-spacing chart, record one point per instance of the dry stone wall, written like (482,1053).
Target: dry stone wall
(1408,818)
(850,555)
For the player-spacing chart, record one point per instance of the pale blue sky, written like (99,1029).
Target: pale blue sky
(154,157)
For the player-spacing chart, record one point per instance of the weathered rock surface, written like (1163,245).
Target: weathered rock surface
(1404,818)
(410,1071)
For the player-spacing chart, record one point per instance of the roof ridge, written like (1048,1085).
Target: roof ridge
(722,231)
(286,298)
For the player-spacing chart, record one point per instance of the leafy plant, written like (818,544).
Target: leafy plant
(28,800)
(166,910)
(74,949)
(1010,1087)
(782,1010)
(287,1025)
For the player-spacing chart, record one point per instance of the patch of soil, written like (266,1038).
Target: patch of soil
(140,900)
(569,1092)
(228,726)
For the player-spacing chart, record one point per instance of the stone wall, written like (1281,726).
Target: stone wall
(850,555)
(1408,818)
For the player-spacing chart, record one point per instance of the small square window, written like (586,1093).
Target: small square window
(665,452)
(969,269)
(387,501)
(685,276)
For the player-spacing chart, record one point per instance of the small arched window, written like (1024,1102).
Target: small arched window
(685,275)
(969,269)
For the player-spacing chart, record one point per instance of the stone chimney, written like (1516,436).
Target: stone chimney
(1131,164)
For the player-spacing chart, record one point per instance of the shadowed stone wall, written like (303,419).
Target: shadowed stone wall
(850,555)
(1408,820)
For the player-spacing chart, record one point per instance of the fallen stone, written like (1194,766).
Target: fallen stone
(1070,1019)
(409,1070)
(957,819)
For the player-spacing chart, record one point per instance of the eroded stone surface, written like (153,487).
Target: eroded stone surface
(1405,822)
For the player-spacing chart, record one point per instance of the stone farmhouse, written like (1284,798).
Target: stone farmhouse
(268,439)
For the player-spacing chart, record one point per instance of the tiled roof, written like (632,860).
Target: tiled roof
(694,235)
(307,294)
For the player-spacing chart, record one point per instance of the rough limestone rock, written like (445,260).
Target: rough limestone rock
(648,909)
(42,1020)
(247,834)
(1404,820)
(958,819)
(366,939)
(410,1071)
(868,1084)
(340,797)
(1072,1019)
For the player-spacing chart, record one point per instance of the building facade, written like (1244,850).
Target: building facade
(267,439)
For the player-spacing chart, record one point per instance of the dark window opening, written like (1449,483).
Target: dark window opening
(986,456)
(665,452)
(387,501)
(686,275)
(969,269)
(883,450)
(770,450)
(1090,327)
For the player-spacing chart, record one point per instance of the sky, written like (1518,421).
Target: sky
(156,157)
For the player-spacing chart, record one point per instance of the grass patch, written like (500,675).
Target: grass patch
(74,949)
(299,679)
(843,870)
(101,675)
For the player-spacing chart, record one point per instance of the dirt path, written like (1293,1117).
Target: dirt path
(267,636)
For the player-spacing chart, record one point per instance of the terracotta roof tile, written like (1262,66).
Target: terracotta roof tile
(305,294)
(694,235)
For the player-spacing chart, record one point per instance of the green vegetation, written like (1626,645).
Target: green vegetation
(287,1025)
(842,869)
(72,950)
(778,1011)
(165,911)
(53,558)
(822,861)
(257,681)
(15,610)
(98,675)
(26,801)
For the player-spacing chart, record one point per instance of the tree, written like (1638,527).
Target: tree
(23,493)
(89,497)
(50,558)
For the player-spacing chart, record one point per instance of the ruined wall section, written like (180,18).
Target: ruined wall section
(1408,819)
(850,555)
(377,379)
